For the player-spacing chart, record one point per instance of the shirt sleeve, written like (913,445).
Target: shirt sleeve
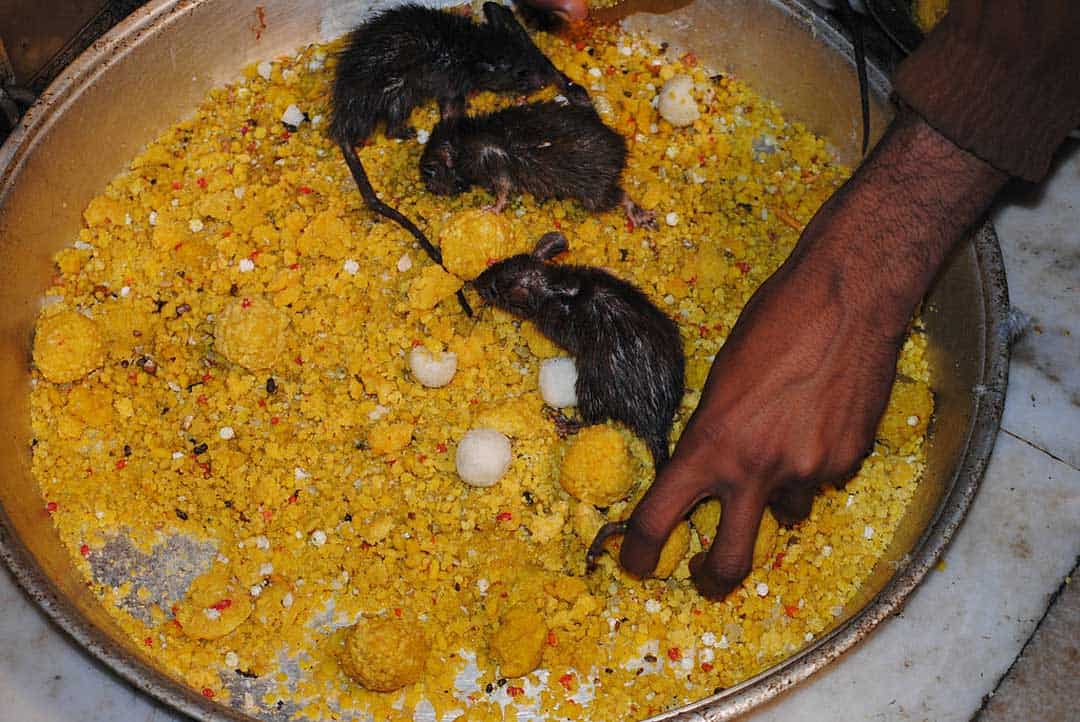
(1001,79)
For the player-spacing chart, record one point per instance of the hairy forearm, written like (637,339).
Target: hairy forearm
(882,237)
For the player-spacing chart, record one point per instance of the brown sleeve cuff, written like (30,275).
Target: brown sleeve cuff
(998,85)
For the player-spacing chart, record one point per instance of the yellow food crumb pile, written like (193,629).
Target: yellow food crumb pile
(385,654)
(231,443)
(597,467)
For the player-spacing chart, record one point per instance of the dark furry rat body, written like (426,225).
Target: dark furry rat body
(627,351)
(547,149)
(410,54)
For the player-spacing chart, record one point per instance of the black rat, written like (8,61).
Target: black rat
(548,149)
(410,54)
(628,352)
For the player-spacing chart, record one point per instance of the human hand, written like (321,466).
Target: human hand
(795,394)
(792,402)
(568,10)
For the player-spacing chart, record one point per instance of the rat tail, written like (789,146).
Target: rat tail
(368,194)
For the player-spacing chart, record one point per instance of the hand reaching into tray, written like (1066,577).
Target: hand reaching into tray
(794,396)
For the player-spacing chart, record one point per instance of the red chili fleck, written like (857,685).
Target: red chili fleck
(629,226)
(654,69)
(177,185)
(421,458)
(149,641)
(275,420)
(696,612)
(266,514)
(397,611)
(121,463)
(567,681)
(580,45)
(255,254)
(201,399)
(51,507)
(490,261)
(294,498)
(286,135)
(703,331)
(176,623)
(365,545)
(207,692)
(294,266)
(222,605)
(515,691)
(440,447)
(504,516)
(474,402)
(791,610)
(778,560)
(743,266)
(262,403)
(202,183)
(415,342)
(610,70)
(85,550)
(299,361)
(689,60)
(246,303)
(552,640)
(226,233)
(692,280)
(704,541)
(304,190)
(558,225)
(706,667)
(207,378)
(244,130)
(674,654)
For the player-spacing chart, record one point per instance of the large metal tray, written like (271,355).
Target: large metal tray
(153,69)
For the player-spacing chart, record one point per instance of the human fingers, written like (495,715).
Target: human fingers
(794,503)
(677,488)
(570,10)
(729,559)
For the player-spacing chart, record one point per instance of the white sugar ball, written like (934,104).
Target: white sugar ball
(431,371)
(482,457)
(558,377)
(292,116)
(677,105)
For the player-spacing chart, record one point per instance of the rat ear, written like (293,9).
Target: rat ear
(550,245)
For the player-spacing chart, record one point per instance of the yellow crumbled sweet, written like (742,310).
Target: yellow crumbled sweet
(390,437)
(385,654)
(474,239)
(907,414)
(929,12)
(673,551)
(320,483)
(596,468)
(519,418)
(214,606)
(517,644)
(539,345)
(251,332)
(706,519)
(432,287)
(67,346)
